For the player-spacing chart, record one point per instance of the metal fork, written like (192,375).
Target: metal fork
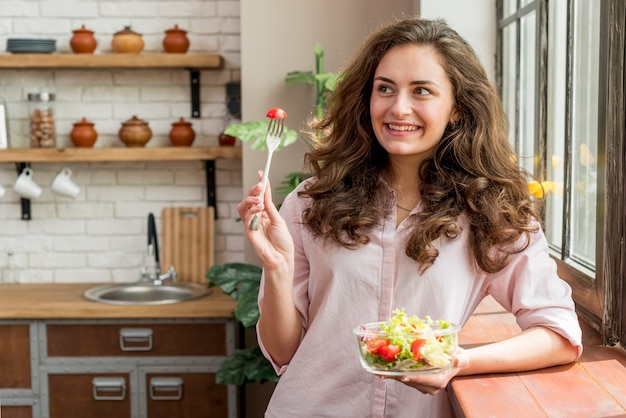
(272,140)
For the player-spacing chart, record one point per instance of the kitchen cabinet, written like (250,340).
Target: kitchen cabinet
(135,368)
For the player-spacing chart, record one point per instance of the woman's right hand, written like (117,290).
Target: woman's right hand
(272,241)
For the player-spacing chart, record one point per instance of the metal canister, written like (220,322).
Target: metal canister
(42,130)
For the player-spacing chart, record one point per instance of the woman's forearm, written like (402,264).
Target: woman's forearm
(280,324)
(535,348)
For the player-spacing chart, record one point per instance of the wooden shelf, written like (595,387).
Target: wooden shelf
(60,60)
(19,155)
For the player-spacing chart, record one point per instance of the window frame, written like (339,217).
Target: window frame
(600,297)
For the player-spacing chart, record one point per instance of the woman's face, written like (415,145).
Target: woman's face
(411,102)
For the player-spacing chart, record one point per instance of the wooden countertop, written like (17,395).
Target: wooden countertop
(66,301)
(593,386)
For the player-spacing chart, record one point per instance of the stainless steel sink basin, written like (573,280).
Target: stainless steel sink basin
(146,293)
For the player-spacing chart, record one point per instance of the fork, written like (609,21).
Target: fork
(272,140)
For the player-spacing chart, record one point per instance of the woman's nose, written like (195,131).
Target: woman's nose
(402,105)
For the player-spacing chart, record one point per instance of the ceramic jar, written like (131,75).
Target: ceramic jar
(182,133)
(127,41)
(176,41)
(226,140)
(135,132)
(83,41)
(83,135)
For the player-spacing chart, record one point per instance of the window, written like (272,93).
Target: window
(561,78)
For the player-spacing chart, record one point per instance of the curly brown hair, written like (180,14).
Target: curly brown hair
(471,173)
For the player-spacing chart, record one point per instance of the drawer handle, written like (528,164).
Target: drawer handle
(109,388)
(166,388)
(136,339)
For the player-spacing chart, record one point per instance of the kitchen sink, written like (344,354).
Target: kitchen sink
(146,293)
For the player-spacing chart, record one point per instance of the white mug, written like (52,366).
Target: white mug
(25,186)
(64,185)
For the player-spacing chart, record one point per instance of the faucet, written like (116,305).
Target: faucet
(153,272)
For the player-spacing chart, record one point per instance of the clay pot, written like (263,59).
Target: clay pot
(226,140)
(182,134)
(83,41)
(83,135)
(175,41)
(135,132)
(127,41)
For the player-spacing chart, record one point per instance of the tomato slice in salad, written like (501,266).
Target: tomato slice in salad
(389,352)
(374,345)
(416,345)
(276,113)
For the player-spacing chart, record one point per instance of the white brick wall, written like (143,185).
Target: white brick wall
(101,235)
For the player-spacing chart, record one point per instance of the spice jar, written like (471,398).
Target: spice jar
(42,134)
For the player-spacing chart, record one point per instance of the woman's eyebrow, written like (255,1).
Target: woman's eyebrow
(414,82)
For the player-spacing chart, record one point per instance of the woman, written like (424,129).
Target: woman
(416,203)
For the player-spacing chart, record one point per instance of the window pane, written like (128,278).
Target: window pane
(526,123)
(585,73)
(557,85)
(509,71)
(509,7)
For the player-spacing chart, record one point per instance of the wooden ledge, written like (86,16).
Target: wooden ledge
(593,386)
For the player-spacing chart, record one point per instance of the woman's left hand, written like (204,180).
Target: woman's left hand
(431,383)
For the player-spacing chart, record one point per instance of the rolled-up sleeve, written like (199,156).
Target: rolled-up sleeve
(530,288)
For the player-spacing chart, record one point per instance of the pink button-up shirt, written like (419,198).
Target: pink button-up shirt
(337,289)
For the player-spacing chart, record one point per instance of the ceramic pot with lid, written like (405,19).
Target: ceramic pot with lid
(127,41)
(135,132)
(83,41)
(176,41)
(182,133)
(83,135)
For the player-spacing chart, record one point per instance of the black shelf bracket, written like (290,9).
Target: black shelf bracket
(25,203)
(194,80)
(210,185)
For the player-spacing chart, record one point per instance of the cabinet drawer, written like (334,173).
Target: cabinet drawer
(79,395)
(189,395)
(15,372)
(17,411)
(85,340)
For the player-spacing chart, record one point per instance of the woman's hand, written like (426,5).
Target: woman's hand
(272,242)
(432,383)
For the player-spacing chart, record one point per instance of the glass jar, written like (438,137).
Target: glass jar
(41,108)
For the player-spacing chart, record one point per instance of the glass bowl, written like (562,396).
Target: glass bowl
(399,350)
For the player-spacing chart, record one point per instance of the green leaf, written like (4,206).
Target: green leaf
(247,309)
(290,182)
(300,77)
(235,279)
(255,131)
(243,366)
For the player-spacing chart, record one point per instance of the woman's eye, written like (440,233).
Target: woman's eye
(384,89)
(421,91)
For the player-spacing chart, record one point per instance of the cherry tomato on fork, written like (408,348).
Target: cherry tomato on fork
(276,113)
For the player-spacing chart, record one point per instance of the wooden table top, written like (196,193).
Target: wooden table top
(66,301)
(593,386)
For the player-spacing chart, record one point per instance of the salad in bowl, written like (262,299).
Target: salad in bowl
(407,345)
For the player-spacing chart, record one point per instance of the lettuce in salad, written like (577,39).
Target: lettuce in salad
(407,343)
